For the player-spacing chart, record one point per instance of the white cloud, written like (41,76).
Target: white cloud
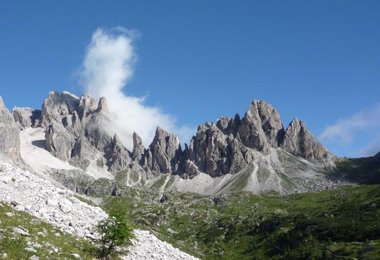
(372,148)
(364,124)
(107,67)
(345,129)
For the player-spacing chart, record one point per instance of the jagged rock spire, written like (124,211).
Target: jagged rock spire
(299,141)
(26,117)
(138,147)
(9,134)
(261,127)
(74,125)
(164,152)
(102,106)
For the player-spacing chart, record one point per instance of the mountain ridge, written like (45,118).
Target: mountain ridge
(75,132)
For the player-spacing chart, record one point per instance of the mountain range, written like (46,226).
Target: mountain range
(253,152)
(66,167)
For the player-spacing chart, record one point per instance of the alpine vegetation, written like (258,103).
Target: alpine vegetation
(227,130)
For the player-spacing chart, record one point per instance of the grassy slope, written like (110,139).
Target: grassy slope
(360,170)
(47,241)
(338,224)
(342,223)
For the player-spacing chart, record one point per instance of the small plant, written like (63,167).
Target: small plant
(114,231)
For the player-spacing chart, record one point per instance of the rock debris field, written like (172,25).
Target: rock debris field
(26,191)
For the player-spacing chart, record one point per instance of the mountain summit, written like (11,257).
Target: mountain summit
(255,149)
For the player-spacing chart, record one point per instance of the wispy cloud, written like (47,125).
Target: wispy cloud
(349,130)
(372,148)
(105,72)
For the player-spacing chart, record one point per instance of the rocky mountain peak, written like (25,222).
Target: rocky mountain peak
(86,105)
(267,119)
(216,150)
(76,132)
(102,106)
(251,131)
(9,134)
(138,147)
(2,105)
(227,146)
(208,148)
(229,125)
(116,140)
(299,141)
(270,122)
(164,152)
(118,157)
(57,106)
(26,117)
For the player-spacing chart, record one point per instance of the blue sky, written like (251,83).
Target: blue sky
(318,61)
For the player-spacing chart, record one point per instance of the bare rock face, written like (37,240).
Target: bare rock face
(299,141)
(240,155)
(9,134)
(95,132)
(228,145)
(138,148)
(270,123)
(26,117)
(76,131)
(229,125)
(59,142)
(57,107)
(251,132)
(190,169)
(118,157)
(86,106)
(164,152)
(81,153)
(216,153)
(102,106)
(209,150)
(261,127)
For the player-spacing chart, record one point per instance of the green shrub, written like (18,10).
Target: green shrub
(114,231)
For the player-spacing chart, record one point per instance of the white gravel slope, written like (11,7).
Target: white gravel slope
(39,159)
(46,162)
(45,200)
(148,246)
(58,206)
